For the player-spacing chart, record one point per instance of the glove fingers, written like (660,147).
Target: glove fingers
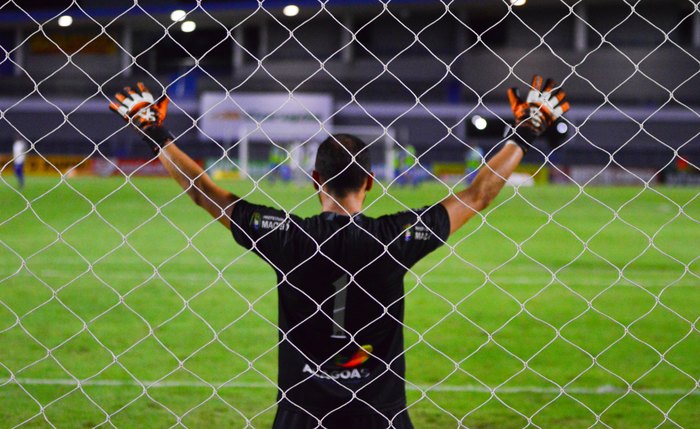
(559,95)
(145,93)
(119,109)
(564,107)
(120,97)
(548,85)
(137,96)
(130,92)
(514,97)
(537,82)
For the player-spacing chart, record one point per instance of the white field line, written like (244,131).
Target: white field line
(210,275)
(600,390)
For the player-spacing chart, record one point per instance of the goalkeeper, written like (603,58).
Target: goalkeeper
(340,273)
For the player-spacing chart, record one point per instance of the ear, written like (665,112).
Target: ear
(317,179)
(370,181)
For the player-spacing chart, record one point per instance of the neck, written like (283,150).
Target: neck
(350,204)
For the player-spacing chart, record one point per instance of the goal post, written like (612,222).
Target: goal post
(381,143)
(274,121)
(382,146)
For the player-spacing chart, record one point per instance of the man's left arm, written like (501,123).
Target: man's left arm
(192,178)
(139,108)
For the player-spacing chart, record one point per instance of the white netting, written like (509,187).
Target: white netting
(566,305)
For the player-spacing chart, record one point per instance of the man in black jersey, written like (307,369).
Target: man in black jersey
(340,273)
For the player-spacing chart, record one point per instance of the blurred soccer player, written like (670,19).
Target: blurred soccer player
(278,165)
(406,167)
(472,161)
(340,273)
(19,152)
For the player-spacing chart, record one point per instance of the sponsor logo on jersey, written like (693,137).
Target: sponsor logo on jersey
(255,220)
(274,222)
(421,233)
(407,234)
(258,221)
(346,367)
(416,232)
(337,374)
(358,358)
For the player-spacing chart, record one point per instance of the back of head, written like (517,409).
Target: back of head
(343,163)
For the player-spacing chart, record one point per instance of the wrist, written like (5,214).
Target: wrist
(521,135)
(156,136)
(514,143)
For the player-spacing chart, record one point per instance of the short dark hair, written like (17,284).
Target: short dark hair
(343,163)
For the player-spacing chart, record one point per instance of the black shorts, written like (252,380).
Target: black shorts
(289,419)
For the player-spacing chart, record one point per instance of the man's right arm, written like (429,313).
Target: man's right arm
(463,205)
(543,106)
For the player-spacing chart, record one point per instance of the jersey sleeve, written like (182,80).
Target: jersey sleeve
(264,230)
(413,234)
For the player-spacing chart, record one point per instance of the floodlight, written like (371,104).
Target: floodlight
(178,15)
(65,21)
(479,122)
(188,26)
(291,10)
(562,128)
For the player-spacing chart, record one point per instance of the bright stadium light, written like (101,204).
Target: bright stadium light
(479,122)
(65,21)
(562,128)
(178,15)
(188,26)
(518,2)
(291,10)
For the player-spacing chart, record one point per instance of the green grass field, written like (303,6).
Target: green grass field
(558,309)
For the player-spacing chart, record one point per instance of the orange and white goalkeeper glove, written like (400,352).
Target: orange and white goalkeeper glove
(543,106)
(139,108)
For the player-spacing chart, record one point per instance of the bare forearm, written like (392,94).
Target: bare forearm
(543,106)
(182,168)
(491,178)
(196,182)
(488,183)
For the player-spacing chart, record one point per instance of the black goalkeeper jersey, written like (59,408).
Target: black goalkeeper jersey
(341,307)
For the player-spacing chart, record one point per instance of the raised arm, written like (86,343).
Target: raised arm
(140,109)
(543,106)
(217,201)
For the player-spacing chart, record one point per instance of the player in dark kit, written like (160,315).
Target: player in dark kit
(340,273)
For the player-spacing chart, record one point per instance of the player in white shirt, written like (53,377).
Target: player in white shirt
(19,152)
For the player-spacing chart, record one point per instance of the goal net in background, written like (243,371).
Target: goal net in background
(276,135)
(570,303)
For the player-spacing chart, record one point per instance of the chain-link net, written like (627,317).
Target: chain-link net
(573,304)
